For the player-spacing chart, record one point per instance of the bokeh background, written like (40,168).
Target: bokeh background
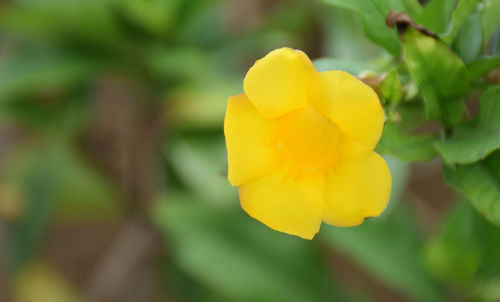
(113,166)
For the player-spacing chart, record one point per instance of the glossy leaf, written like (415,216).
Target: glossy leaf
(476,139)
(480,183)
(406,147)
(439,74)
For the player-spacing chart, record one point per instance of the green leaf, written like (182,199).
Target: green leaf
(454,254)
(482,66)
(240,258)
(464,9)
(413,7)
(480,183)
(391,87)
(54,181)
(436,15)
(91,22)
(466,254)
(33,73)
(388,249)
(483,15)
(156,16)
(406,147)
(439,74)
(374,13)
(469,42)
(477,138)
(490,11)
(200,163)
(352,66)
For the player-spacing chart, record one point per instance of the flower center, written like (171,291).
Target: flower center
(309,141)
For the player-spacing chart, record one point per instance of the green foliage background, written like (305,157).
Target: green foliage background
(112,156)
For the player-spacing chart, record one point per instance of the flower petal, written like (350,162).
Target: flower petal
(249,136)
(356,190)
(352,105)
(278,83)
(286,202)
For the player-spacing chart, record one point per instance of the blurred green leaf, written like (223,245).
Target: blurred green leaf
(156,16)
(454,254)
(477,138)
(439,73)
(240,258)
(90,23)
(81,192)
(200,163)
(412,114)
(374,13)
(460,16)
(38,189)
(406,147)
(388,249)
(466,253)
(436,15)
(391,87)
(55,182)
(490,11)
(193,20)
(412,7)
(352,66)
(469,42)
(32,73)
(174,64)
(346,39)
(474,21)
(482,66)
(480,183)
(202,104)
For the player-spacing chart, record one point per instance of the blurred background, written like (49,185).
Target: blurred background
(113,166)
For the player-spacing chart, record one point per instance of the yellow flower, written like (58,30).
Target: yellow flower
(300,146)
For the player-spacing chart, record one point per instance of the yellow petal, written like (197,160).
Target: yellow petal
(309,141)
(356,190)
(352,105)
(286,202)
(279,82)
(249,137)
